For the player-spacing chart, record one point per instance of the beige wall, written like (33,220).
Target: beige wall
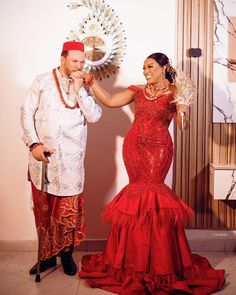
(31,36)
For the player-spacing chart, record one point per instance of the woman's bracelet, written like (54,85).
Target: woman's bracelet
(90,80)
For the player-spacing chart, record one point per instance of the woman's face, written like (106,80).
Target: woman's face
(152,71)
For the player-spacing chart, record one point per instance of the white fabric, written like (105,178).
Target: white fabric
(45,119)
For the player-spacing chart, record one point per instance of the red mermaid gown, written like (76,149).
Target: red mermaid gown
(147,251)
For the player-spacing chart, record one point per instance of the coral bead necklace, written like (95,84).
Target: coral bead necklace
(157,90)
(60,92)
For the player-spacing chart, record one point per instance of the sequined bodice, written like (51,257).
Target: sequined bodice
(148,147)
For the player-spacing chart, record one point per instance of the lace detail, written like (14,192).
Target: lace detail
(148,147)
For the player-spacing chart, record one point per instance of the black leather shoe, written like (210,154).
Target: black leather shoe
(68,263)
(44,265)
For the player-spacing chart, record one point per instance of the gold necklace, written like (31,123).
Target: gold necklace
(158,90)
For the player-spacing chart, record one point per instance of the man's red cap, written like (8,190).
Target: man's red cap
(73,45)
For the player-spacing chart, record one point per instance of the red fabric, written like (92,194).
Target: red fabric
(147,251)
(63,223)
(73,45)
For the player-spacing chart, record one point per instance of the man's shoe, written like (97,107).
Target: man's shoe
(44,265)
(68,263)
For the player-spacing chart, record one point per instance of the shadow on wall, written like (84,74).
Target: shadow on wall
(100,165)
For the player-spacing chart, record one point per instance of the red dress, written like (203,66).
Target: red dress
(147,251)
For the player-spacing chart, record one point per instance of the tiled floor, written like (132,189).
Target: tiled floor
(14,278)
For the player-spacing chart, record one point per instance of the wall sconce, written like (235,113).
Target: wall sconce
(193,52)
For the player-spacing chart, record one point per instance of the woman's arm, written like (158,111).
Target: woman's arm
(110,100)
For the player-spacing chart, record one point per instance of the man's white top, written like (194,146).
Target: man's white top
(45,119)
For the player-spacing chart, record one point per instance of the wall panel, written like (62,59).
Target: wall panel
(203,142)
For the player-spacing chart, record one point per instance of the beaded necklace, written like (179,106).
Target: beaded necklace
(60,92)
(158,90)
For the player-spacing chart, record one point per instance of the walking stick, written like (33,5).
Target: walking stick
(43,182)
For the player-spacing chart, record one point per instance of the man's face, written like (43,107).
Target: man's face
(73,62)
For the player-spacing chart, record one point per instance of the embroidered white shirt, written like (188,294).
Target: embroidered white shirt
(44,118)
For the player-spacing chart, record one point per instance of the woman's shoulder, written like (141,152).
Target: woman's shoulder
(136,88)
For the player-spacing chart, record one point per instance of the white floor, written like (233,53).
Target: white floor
(15,280)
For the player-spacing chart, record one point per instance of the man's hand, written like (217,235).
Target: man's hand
(77,80)
(39,153)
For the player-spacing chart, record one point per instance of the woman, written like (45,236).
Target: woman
(147,251)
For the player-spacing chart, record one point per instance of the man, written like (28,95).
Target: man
(54,119)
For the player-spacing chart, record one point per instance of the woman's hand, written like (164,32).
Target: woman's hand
(87,77)
(83,74)
(182,116)
(181,108)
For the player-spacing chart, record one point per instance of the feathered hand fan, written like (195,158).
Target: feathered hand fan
(185,89)
(185,92)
